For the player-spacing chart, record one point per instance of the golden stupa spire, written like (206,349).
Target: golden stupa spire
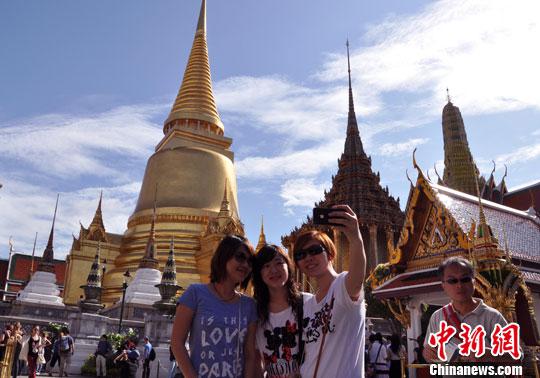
(262,236)
(195,102)
(149,260)
(484,234)
(225,209)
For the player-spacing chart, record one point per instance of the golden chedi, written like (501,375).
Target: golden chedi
(191,167)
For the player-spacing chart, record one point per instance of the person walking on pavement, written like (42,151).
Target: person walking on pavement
(102,351)
(147,352)
(66,350)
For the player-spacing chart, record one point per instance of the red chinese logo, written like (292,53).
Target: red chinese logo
(472,341)
(505,340)
(438,340)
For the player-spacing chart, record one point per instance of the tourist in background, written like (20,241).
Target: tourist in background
(33,346)
(279,341)
(334,319)
(147,351)
(65,350)
(42,358)
(18,334)
(128,359)
(218,309)
(378,357)
(54,356)
(103,349)
(4,338)
(396,354)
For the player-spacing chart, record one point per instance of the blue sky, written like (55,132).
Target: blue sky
(86,85)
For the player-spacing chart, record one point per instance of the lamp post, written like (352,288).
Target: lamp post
(124,287)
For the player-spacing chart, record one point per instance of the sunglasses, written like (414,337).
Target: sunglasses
(312,251)
(242,257)
(453,281)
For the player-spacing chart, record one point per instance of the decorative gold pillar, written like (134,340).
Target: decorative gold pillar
(373,259)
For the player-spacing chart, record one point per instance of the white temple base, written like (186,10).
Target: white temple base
(142,289)
(41,289)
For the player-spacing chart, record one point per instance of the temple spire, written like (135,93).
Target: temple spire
(46,264)
(353,143)
(195,105)
(149,260)
(225,210)
(262,236)
(96,230)
(94,276)
(484,234)
(169,272)
(460,171)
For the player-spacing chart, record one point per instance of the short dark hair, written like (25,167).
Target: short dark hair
(224,252)
(323,239)
(456,260)
(104,337)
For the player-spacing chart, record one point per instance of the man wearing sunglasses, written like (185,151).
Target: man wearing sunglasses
(457,280)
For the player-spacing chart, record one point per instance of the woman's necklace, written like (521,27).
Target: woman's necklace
(221,296)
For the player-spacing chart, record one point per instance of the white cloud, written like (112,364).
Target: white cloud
(27,208)
(276,105)
(401,148)
(483,50)
(67,145)
(304,163)
(520,155)
(302,192)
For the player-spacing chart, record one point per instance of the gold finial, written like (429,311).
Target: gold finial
(408,178)
(225,209)
(262,236)
(201,24)
(195,99)
(149,260)
(484,231)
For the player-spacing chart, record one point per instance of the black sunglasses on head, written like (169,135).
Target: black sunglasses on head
(242,257)
(463,280)
(312,251)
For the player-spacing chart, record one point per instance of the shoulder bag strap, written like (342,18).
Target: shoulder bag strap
(377,357)
(319,355)
(300,326)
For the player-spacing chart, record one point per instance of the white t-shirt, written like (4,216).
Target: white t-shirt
(342,354)
(277,340)
(379,358)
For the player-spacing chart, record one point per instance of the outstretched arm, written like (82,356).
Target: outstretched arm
(347,222)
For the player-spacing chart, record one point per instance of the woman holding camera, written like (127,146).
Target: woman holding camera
(220,320)
(334,319)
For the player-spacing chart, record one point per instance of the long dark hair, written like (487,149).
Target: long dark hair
(395,343)
(224,252)
(261,292)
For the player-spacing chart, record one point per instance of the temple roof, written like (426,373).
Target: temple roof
(195,99)
(518,229)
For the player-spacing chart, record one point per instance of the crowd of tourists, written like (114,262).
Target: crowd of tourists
(38,352)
